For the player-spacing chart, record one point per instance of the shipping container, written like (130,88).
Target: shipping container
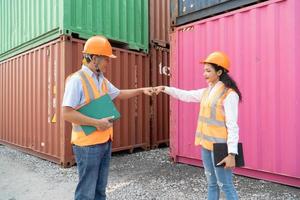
(159,22)
(32,87)
(186,11)
(27,24)
(160,75)
(263,43)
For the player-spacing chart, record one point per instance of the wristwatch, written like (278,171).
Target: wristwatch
(232,154)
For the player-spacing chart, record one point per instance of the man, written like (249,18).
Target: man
(92,152)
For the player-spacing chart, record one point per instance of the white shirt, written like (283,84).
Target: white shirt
(73,95)
(230,104)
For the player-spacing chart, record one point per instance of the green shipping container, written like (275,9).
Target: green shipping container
(28,23)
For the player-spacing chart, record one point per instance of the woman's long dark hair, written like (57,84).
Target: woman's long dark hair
(227,80)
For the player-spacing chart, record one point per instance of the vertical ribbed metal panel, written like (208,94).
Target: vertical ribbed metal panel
(131,70)
(142,120)
(187,11)
(123,21)
(262,42)
(159,21)
(160,63)
(189,6)
(32,87)
(27,24)
(29,101)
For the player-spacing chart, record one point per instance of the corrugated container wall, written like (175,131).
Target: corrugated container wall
(122,21)
(27,24)
(160,75)
(263,42)
(159,22)
(159,64)
(186,11)
(32,86)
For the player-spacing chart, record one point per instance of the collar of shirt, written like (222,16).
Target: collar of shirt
(212,89)
(91,73)
(218,84)
(98,80)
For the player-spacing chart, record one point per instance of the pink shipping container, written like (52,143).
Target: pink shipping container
(263,42)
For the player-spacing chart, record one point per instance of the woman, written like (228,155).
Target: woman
(217,121)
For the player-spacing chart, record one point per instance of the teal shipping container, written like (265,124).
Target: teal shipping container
(29,23)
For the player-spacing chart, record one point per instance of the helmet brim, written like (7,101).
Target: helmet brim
(203,62)
(112,56)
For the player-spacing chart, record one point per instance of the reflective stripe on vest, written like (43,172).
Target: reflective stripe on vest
(90,93)
(86,86)
(210,138)
(211,126)
(211,121)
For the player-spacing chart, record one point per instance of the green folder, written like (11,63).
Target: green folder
(99,108)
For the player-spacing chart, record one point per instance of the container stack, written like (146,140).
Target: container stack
(263,43)
(160,70)
(31,23)
(42,43)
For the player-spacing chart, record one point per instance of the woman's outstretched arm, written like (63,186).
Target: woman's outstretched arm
(182,95)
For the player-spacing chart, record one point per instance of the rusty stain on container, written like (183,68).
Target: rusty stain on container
(160,75)
(159,21)
(32,87)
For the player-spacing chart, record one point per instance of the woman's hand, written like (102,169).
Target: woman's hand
(229,162)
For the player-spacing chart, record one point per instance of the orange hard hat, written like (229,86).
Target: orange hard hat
(218,58)
(98,45)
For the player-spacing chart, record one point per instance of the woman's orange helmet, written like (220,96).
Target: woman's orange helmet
(218,58)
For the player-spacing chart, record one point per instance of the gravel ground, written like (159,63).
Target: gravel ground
(142,175)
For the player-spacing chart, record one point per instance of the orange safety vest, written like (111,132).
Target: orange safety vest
(90,92)
(211,126)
